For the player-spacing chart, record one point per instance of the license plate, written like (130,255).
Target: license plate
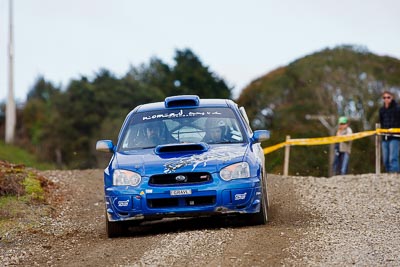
(181,192)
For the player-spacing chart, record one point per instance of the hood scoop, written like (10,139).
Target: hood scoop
(188,147)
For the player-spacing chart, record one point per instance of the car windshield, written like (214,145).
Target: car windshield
(209,125)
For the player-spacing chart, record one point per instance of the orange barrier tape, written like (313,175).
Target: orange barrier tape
(328,140)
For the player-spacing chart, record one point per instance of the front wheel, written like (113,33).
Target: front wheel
(261,217)
(115,229)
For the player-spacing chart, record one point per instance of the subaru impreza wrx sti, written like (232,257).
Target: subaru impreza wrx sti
(183,157)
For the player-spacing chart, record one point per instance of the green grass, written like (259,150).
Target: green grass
(10,206)
(33,189)
(20,209)
(17,155)
(19,214)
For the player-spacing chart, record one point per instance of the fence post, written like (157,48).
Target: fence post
(287,154)
(377,150)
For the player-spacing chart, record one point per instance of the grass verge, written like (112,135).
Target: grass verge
(17,155)
(23,199)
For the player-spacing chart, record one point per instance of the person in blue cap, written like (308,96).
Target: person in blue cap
(343,149)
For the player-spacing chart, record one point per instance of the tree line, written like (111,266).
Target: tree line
(342,81)
(63,125)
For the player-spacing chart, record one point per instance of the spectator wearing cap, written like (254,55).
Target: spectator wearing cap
(389,117)
(343,149)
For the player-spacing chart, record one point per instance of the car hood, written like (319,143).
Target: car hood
(211,159)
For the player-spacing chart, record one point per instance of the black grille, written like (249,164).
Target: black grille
(163,202)
(181,202)
(180,178)
(200,201)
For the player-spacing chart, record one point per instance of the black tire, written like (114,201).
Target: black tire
(115,229)
(261,217)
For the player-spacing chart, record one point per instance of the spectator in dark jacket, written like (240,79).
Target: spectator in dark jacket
(389,117)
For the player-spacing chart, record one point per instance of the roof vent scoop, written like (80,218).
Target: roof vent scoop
(182,101)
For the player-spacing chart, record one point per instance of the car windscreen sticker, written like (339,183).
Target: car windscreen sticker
(180,114)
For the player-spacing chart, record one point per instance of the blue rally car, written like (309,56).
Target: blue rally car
(183,157)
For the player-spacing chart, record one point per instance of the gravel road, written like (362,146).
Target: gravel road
(342,220)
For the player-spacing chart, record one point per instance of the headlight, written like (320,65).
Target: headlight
(235,171)
(124,177)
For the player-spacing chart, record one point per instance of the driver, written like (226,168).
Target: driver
(153,132)
(215,131)
(152,135)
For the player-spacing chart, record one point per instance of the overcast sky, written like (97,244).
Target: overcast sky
(239,40)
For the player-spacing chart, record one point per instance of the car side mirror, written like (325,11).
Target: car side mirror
(260,135)
(105,146)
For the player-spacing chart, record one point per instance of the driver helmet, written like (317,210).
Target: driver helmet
(153,129)
(213,123)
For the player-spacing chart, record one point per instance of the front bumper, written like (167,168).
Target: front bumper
(149,202)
